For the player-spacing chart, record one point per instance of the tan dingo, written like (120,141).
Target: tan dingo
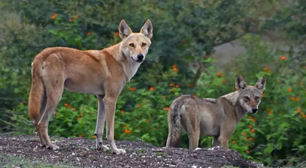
(103,73)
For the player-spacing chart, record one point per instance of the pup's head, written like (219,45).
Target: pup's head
(250,96)
(136,45)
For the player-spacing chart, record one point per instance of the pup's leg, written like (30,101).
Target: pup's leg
(227,129)
(216,142)
(100,124)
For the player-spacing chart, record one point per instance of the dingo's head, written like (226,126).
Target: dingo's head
(135,45)
(250,96)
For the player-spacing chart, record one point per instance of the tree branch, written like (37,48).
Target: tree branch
(230,40)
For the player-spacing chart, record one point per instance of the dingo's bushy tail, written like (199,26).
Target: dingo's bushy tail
(37,98)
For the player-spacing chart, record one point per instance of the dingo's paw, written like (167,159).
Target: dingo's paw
(100,146)
(52,147)
(119,151)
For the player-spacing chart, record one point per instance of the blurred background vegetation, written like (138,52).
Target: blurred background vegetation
(198,48)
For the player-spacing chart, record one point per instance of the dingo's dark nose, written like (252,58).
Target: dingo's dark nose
(140,57)
(254,109)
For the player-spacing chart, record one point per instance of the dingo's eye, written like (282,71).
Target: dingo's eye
(143,44)
(131,45)
(246,98)
(257,98)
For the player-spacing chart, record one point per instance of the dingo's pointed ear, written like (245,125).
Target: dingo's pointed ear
(124,29)
(147,29)
(240,83)
(260,85)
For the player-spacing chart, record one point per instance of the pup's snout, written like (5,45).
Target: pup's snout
(254,109)
(140,57)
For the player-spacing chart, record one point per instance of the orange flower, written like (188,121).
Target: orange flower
(289,90)
(175,69)
(148,120)
(177,86)
(253,130)
(244,134)
(251,138)
(171,84)
(56,114)
(219,74)
(223,80)
(116,34)
(66,104)
(93,137)
(75,16)
(253,120)
(70,20)
(152,88)
(299,110)
(166,108)
(292,98)
(139,105)
(88,33)
(297,99)
(304,116)
(54,16)
(132,88)
(173,66)
(121,111)
(79,118)
(265,69)
(152,128)
(190,85)
(269,113)
(73,109)
(247,151)
(124,126)
(80,135)
(233,142)
(164,96)
(262,96)
(81,114)
(195,95)
(127,131)
(250,126)
(283,57)
(21,103)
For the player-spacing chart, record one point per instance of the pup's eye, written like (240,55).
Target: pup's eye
(132,45)
(143,44)
(246,98)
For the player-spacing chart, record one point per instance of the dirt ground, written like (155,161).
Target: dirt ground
(80,152)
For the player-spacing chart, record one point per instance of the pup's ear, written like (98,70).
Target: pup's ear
(124,29)
(147,29)
(260,85)
(240,83)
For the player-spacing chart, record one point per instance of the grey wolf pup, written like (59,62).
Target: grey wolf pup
(217,118)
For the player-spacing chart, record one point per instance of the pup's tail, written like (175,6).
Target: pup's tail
(37,95)
(174,125)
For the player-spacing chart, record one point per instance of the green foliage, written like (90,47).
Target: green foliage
(179,62)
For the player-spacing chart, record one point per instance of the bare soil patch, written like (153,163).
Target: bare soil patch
(80,152)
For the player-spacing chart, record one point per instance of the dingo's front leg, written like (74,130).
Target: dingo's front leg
(100,124)
(110,105)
